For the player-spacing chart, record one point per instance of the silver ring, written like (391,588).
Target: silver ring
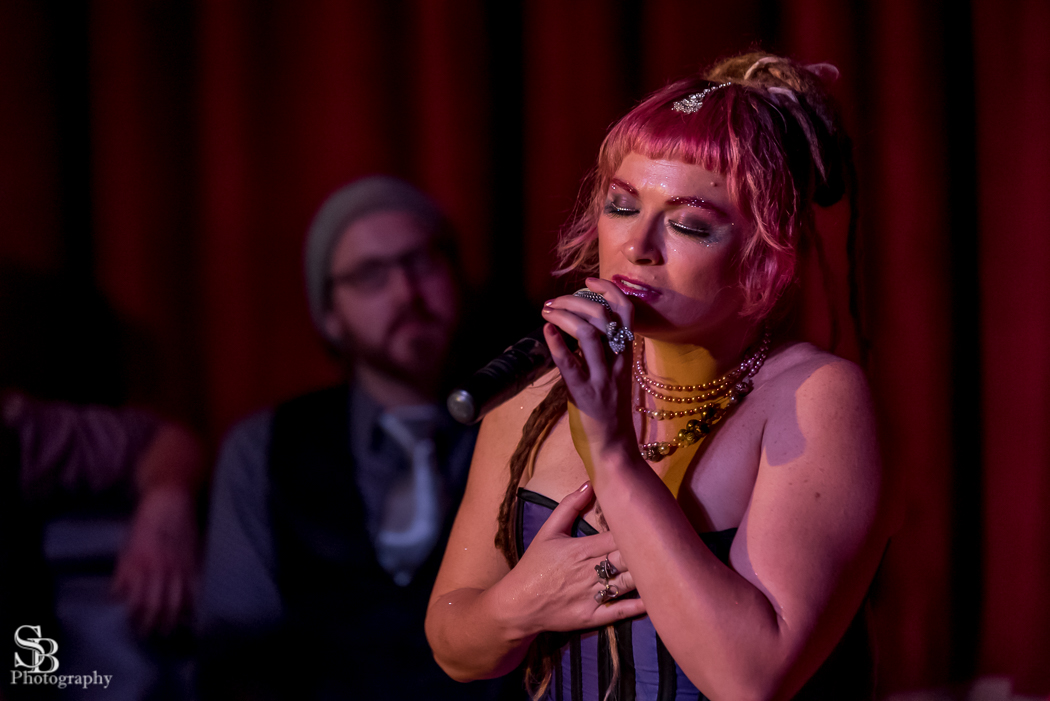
(619,336)
(607,594)
(606,571)
(593,297)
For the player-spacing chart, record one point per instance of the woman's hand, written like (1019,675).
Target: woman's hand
(553,586)
(599,380)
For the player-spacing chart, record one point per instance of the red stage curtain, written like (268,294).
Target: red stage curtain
(1012,62)
(213,131)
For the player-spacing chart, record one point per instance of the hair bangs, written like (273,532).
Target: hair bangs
(656,131)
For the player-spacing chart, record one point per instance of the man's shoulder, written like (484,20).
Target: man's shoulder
(253,429)
(246,455)
(248,442)
(243,454)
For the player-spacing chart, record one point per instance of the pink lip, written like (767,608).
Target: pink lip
(634,288)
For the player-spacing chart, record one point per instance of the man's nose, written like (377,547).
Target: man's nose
(403,283)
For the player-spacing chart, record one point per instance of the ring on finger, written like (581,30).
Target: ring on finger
(617,334)
(606,594)
(606,571)
(593,297)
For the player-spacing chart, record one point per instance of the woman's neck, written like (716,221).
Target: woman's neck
(690,364)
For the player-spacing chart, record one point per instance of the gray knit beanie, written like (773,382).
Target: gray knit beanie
(344,206)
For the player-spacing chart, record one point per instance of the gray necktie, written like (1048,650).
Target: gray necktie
(410,524)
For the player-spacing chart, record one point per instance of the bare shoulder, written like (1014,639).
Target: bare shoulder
(816,404)
(508,419)
(471,558)
(794,363)
(499,436)
(819,515)
(820,491)
(800,374)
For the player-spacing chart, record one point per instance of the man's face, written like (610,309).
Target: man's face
(394,304)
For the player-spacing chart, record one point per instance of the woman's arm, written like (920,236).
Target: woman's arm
(802,560)
(483,615)
(806,550)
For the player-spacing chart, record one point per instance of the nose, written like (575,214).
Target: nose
(642,245)
(403,284)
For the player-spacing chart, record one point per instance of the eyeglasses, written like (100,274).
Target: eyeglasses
(373,275)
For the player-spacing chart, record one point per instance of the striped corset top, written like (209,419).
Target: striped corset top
(585,666)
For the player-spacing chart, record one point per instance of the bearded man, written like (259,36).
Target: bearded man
(329,514)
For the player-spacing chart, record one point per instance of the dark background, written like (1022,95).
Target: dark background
(160,162)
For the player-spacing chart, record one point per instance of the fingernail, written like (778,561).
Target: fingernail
(545,310)
(584,488)
(548,303)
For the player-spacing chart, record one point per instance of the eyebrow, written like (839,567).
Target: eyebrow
(625,186)
(698,202)
(688,201)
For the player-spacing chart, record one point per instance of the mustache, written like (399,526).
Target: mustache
(408,314)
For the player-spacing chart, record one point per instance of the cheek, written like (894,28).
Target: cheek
(607,250)
(604,261)
(362,316)
(441,296)
(717,277)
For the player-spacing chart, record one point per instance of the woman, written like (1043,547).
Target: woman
(734,539)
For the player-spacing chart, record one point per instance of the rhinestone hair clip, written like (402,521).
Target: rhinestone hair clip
(692,103)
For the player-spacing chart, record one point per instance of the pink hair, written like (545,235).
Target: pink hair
(766,142)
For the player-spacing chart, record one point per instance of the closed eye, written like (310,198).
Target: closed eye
(701,231)
(615,211)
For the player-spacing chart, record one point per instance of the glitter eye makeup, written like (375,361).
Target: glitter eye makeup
(619,203)
(618,211)
(706,227)
(699,230)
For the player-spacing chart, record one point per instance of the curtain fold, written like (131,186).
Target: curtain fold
(1012,79)
(905,201)
(217,128)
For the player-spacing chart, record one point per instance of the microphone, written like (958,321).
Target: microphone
(503,377)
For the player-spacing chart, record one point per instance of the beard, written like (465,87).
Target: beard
(412,349)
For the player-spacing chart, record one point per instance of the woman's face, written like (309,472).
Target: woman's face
(668,236)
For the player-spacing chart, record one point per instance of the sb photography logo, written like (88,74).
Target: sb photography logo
(43,663)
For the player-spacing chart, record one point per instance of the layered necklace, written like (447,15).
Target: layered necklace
(708,402)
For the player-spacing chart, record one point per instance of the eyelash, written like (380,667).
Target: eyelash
(615,211)
(703,233)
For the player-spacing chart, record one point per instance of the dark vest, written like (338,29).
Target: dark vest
(352,633)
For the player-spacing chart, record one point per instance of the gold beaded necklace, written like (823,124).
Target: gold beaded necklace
(712,401)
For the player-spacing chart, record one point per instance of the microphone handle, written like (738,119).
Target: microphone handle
(503,377)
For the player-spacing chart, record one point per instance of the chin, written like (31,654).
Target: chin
(420,354)
(649,323)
